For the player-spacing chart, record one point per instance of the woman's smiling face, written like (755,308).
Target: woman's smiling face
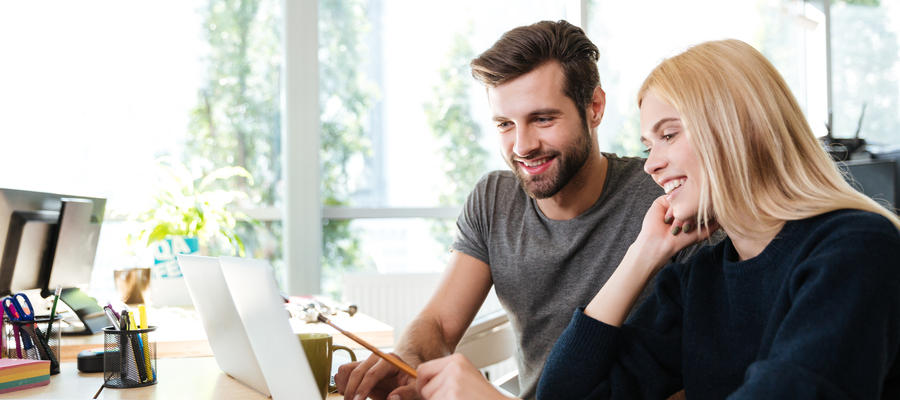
(670,159)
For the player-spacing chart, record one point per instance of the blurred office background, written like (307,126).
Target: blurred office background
(92,93)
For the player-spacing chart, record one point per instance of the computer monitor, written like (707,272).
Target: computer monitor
(876,178)
(890,153)
(51,239)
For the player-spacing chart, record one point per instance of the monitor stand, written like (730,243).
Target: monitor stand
(88,311)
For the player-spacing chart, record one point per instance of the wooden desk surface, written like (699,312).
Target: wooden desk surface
(180,334)
(182,378)
(185,364)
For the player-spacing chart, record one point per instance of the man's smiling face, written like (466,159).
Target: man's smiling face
(543,137)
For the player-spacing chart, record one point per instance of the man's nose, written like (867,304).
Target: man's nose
(526,141)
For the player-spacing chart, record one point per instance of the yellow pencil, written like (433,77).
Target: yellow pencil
(131,324)
(143,311)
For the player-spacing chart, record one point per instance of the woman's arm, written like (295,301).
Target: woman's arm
(454,378)
(641,360)
(653,248)
(587,361)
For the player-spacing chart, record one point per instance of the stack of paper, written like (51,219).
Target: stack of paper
(18,374)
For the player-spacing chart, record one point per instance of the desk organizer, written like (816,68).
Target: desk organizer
(129,359)
(29,340)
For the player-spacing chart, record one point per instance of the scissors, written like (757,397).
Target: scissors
(19,308)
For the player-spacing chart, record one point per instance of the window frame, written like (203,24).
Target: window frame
(303,214)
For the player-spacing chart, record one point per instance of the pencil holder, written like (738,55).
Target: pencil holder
(29,340)
(129,359)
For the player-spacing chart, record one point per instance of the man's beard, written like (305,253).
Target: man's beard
(568,163)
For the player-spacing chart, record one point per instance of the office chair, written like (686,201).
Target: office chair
(489,340)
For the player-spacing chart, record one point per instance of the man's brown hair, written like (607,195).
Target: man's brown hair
(523,49)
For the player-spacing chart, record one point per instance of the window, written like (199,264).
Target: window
(865,65)
(95,93)
(413,145)
(631,47)
(405,128)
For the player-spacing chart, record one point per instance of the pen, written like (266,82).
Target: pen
(42,348)
(110,315)
(136,347)
(32,343)
(53,311)
(115,313)
(130,363)
(16,332)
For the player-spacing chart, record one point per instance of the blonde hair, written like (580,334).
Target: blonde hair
(760,163)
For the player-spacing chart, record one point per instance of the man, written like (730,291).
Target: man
(547,234)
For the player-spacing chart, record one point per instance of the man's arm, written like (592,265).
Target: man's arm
(433,334)
(439,327)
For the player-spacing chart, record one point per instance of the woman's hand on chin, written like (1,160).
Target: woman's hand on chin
(662,236)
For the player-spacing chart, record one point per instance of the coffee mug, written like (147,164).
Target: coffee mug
(318,348)
(133,285)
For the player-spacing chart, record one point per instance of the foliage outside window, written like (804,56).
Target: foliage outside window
(449,115)
(236,121)
(865,64)
(769,27)
(345,98)
(237,118)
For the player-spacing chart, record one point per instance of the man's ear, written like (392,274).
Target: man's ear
(596,108)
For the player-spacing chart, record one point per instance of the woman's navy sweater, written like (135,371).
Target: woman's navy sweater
(816,315)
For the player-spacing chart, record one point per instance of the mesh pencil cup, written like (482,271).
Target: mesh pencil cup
(29,340)
(129,359)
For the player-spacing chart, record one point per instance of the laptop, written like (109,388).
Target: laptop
(241,308)
(224,329)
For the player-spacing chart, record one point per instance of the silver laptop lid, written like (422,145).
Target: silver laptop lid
(224,329)
(261,307)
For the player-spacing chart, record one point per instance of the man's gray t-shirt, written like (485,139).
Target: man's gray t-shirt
(542,269)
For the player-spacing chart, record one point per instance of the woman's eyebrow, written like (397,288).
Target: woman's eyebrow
(662,121)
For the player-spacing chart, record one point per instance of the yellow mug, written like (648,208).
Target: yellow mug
(318,348)
(133,285)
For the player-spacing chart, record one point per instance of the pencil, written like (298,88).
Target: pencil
(53,311)
(98,391)
(397,363)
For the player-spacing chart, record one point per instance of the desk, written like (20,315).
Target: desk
(185,364)
(179,378)
(180,334)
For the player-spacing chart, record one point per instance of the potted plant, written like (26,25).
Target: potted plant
(188,207)
(187,214)
(185,206)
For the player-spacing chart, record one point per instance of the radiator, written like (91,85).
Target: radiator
(396,299)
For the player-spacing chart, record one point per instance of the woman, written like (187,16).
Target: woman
(802,300)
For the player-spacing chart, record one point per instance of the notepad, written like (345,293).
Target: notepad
(18,374)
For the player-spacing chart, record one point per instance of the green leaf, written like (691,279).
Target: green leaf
(158,233)
(240,245)
(179,173)
(225,173)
